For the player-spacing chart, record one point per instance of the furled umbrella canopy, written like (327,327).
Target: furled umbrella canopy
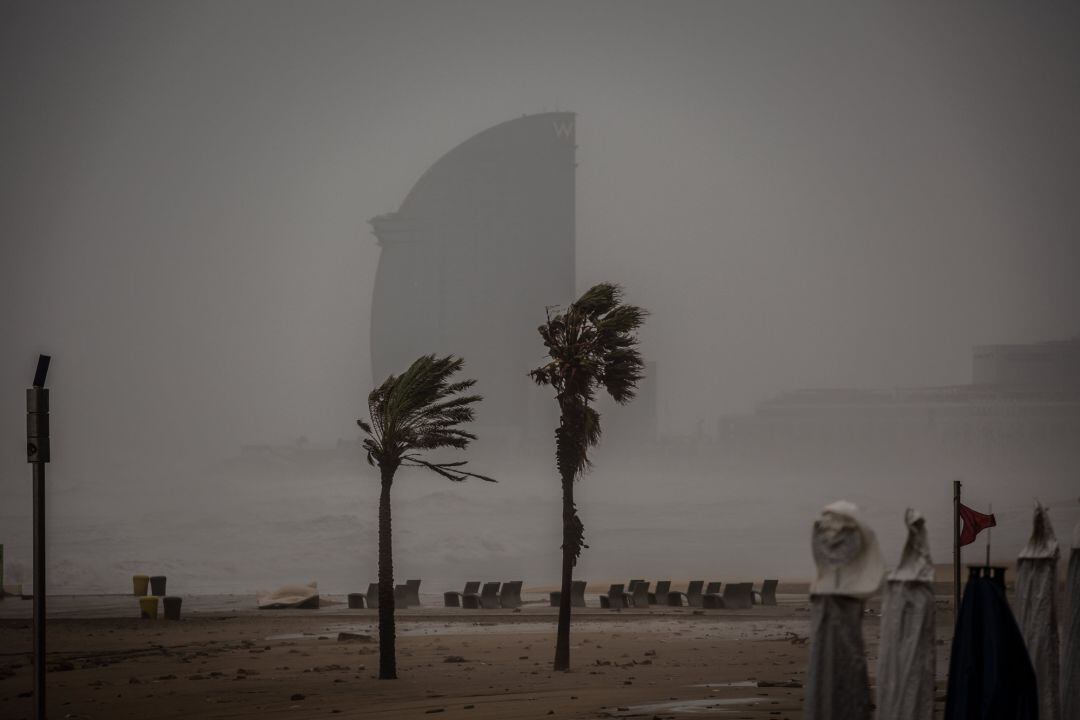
(990,674)
(905,679)
(1036,600)
(1070,669)
(849,570)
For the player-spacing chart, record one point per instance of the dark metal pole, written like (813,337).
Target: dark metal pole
(39,589)
(956,550)
(37,454)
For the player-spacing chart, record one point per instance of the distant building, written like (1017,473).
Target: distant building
(1045,364)
(1025,401)
(483,242)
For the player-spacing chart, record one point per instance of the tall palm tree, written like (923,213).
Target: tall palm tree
(415,411)
(591,345)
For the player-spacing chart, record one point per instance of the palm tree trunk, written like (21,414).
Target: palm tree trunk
(387,654)
(562,637)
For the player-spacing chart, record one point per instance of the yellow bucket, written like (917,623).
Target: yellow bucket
(141,583)
(148,607)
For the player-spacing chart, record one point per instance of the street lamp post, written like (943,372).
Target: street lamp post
(37,454)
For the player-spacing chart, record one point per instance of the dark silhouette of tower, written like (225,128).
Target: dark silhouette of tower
(481,244)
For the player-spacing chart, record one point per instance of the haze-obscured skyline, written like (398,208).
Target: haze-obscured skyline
(802,196)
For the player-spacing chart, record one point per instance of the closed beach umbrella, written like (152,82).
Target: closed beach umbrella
(849,570)
(990,674)
(905,679)
(1070,669)
(1036,601)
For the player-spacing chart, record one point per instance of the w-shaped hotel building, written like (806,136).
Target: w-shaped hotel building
(481,245)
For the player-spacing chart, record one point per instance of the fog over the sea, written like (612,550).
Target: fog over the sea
(825,195)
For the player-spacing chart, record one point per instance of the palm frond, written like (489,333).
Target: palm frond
(449,470)
(421,409)
(592,344)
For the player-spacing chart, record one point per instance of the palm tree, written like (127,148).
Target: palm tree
(591,345)
(415,411)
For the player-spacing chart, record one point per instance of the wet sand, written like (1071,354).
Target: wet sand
(453,663)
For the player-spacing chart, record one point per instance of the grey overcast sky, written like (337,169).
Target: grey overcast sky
(826,194)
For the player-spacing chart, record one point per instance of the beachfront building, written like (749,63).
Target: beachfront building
(480,246)
(1024,401)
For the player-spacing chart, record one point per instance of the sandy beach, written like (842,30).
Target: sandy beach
(225,659)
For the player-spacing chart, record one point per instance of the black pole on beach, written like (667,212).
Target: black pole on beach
(37,454)
(956,549)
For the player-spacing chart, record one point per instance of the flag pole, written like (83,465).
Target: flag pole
(956,549)
(989,531)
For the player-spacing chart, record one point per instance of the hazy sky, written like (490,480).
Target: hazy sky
(803,195)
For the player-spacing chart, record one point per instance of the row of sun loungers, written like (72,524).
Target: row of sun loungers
(636,594)
(407,595)
(492,596)
(735,596)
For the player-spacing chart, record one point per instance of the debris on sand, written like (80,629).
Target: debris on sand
(454,659)
(354,637)
(795,638)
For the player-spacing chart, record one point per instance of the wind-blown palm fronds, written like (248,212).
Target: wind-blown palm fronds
(419,410)
(591,345)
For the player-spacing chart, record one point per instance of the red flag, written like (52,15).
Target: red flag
(974,523)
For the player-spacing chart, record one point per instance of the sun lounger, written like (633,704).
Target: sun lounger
(663,587)
(767,596)
(737,596)
(577,593)
(628,594)
(615,598)
(510,597)
(711,598)
(412,592)
(692,594)
(639,594)
(373,595)
(489,596)
(453,598)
